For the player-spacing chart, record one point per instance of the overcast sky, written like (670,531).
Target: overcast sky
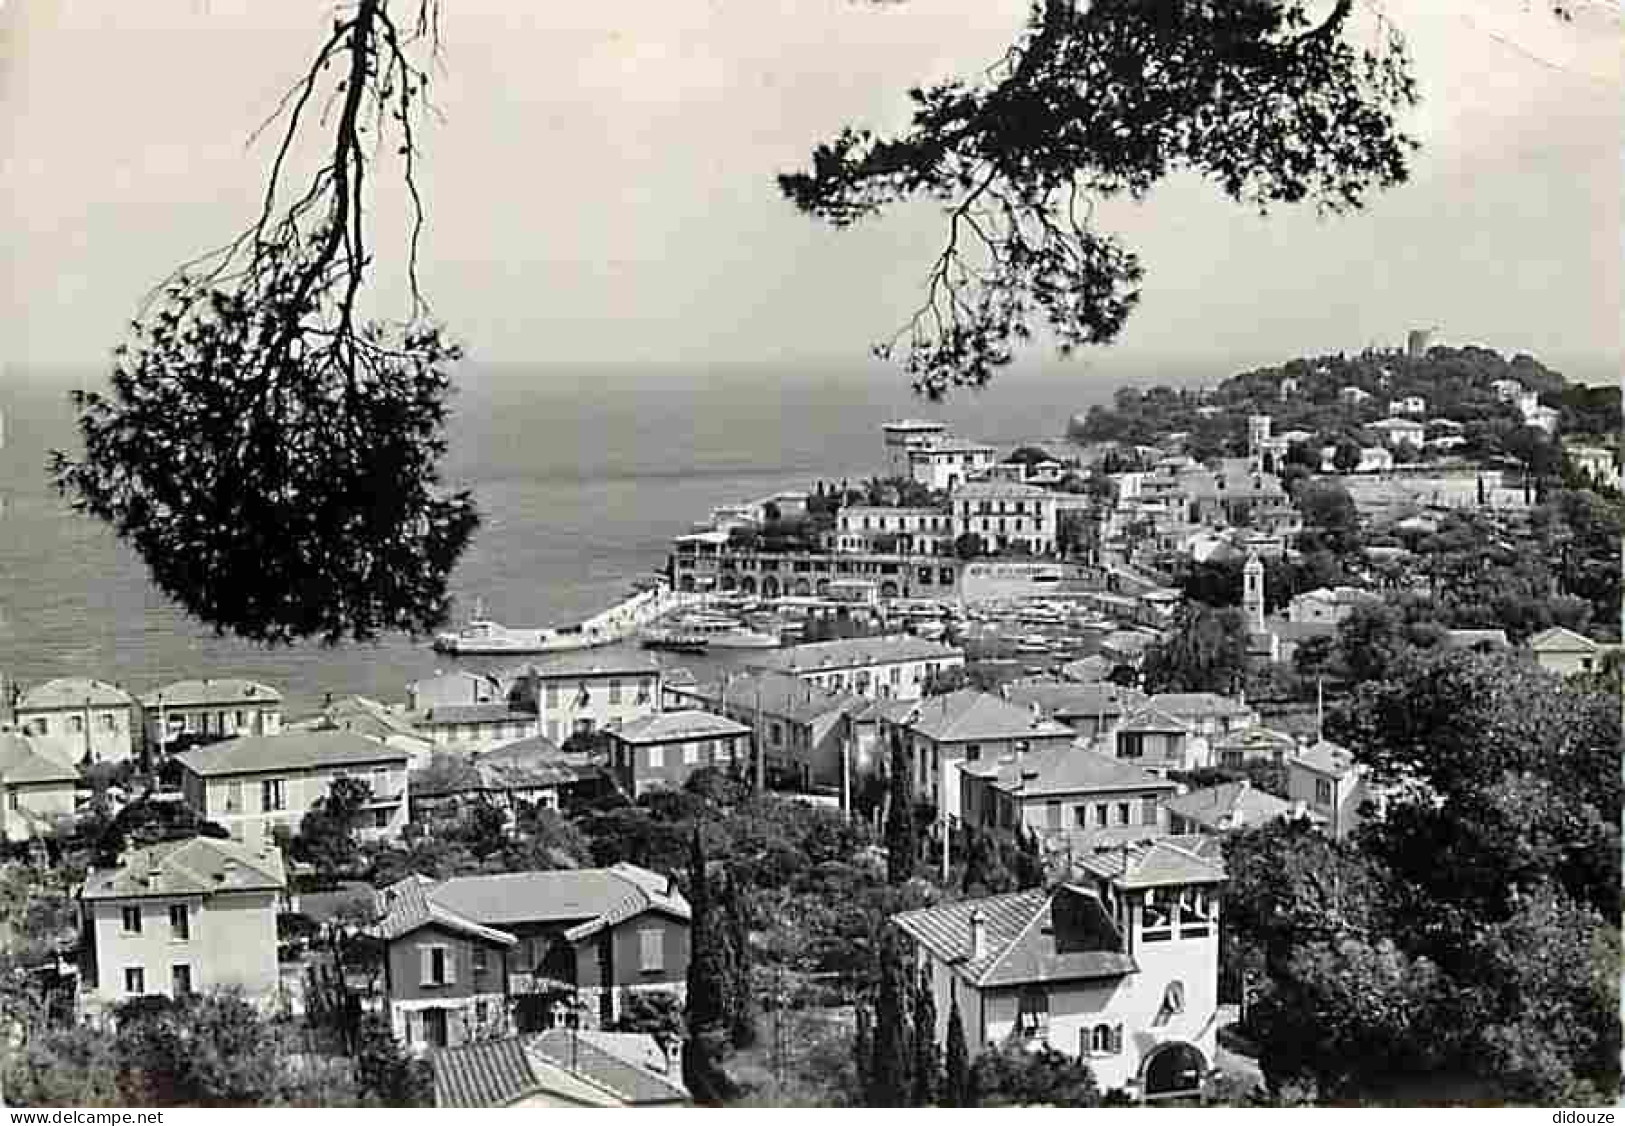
(602,185)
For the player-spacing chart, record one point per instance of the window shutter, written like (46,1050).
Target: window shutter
(425,965)
(451,965)
(1117,1038)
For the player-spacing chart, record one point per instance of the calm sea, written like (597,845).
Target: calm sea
(583,476)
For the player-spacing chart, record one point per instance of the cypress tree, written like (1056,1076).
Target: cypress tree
(889,1077)
(741,993)
(927,1058)
(710,976)
(901,844)
(956,1090)
(975,860)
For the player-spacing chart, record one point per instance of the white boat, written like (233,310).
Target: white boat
(483,637)
(725,633)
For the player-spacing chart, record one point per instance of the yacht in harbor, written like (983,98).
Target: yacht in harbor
(704,632)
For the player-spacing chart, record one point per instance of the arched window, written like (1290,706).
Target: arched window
(1173,1002)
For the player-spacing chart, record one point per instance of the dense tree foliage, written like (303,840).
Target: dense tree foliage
(1205,652)
(1468,939)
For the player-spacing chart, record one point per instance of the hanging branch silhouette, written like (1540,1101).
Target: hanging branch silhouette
(1099,100)
(269,452)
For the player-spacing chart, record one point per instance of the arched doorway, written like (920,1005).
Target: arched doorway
(747,585)
(822,587)
(803,588)
(888,589)
(729,583)
(1173,1070)
(770,587)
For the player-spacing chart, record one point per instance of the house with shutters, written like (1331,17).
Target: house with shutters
(1070,797)
(807,735)
(1152,738)
(251,785)
(210,708)
(942,733)
(479,956)
(181,917)
(586,691)
(660,752)
(1118,966)
(80,720)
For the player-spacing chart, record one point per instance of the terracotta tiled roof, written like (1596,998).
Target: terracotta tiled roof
(73,692)
(1229,805)
(590,897)
(1062,698)
(1326,758)
(1156,864)
(1199,704)
(483,1074)
(1024,940)
(499,711)
(971,716)
(193,693)
(406,905)
(587,662)
(1072,770)
(605,1061)
(198,866)
(294,750)
(22,759)
(667,726)
(1561,640)
(1152,719)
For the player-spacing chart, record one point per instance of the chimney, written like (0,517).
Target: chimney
(978,935)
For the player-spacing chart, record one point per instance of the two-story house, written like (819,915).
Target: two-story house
(79,719)
(660,752)
(474,727)
(251,785)
(1090,710)
(579,693)
(1119,968)
(477,956)
(1252,744)
(890,667)
(1208,714)
(182,917)
(1160,742)
(36,788)
(966,726)
(210,708)
(1070,797)
(806,735)
(1333,787)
